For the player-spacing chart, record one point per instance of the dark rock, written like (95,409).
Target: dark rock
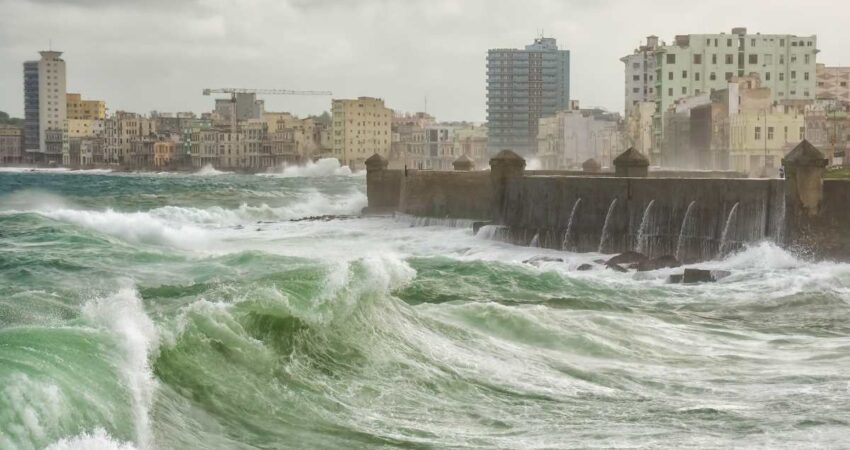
(585,267)
(628,258)
(616,267)
(676,278)
(476,226)
(599,261)
(662,262)
(696,276)
(540,259)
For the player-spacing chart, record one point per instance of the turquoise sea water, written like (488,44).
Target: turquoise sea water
(164,311)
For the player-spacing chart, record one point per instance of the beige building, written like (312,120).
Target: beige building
(119,132)
(78,128)
(471,141)
(638,132)
(205,147)
(361,128)
(164,152)
(11,144)
(77,108)
(833,83)
(571,137)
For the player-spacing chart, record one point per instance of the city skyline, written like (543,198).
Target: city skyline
(187,46)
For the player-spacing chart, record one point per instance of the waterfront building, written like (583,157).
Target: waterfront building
(640,75)
(828,128)
(241,106)
(522,87)
(205,147)
(361,127)
(700,63)
(45,109)
(78,128)
(573,136)
(833,83)
(11,144)
(120,130)
(164,154)
(638,131)
(77,108)
(471,140)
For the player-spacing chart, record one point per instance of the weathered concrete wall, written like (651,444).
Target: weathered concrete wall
(722,174)
(382,189)
(543,205)
(825,234)
(461,195)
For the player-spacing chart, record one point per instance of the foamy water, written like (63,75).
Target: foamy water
(144,312)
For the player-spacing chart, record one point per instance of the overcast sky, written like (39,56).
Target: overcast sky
(158,54)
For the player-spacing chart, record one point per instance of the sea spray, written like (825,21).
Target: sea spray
(568,232)
(681,240)
(644,223)
(125,318)
(604,236)
(725,235)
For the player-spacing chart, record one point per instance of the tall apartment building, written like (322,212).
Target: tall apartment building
(833,83)
(45,108)
(699,63)
(523,86)
(361,128)
(80,109)
(119,131)
(640,74)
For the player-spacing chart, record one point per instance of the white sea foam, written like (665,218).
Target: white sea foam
(325,167)
(209,170)
(123,315)
(96,440)
(53,170)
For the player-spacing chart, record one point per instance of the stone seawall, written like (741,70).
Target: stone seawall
(688,217)
(692,219)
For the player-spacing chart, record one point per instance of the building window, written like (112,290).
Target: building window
(728,76)
(786,134)
(806,58)
(684,90)
(715,42)
(670,92)
(669,75)
(712,76)
(685,74)
(708,42)
(728,42)
(767,76)
(636,90)
(782,42)
(636,78)
(636,65)
(781,76)
(781,59)
(802,133)
(758,133)
(752,42)
(696,76)
(793,74)
(770,133)
(714,58)
(697,59)
(671,58)
(754,58)
(793,58)
(730,59)
(806,76)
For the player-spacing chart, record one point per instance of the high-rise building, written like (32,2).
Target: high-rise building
(45,108)
(640,74)
(523,86)
(361,128)
(700,63)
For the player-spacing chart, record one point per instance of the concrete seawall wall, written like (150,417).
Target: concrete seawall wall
(656,216)
(687,216)
(457,195)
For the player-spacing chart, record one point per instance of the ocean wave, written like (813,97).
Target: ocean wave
(209,170)
(124,316)
(325,167)
(96,440)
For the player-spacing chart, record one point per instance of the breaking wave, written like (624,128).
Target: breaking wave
(325,167)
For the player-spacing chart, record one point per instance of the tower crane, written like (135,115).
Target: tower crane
(234,91)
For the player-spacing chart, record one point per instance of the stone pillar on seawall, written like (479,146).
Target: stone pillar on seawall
(503,167)
(804,170)
(376,186)
(463,164)
(632,164)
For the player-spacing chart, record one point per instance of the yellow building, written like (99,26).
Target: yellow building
(361,128)
(85,109)
(163,153)
(758,141)
(84,127)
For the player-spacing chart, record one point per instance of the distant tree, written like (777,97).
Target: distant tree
(323,119)
(6,120)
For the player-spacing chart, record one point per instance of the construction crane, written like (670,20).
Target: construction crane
(234,91)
